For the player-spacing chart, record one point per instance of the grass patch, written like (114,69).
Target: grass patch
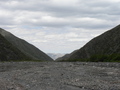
(97,58)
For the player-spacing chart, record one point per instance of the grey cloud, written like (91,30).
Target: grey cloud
(83,8)
(56,18)
(6,21)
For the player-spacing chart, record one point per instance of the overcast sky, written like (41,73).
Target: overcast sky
(58,26)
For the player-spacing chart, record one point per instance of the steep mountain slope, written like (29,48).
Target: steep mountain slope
(26,48)
(107,44)
(9,52)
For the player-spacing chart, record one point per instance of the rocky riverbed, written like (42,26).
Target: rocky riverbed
(59,76)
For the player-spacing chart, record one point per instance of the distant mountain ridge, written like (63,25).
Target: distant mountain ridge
(106,44)
(26,48)
(66,56)
(55,55)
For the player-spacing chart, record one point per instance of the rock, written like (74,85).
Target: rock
(60,76)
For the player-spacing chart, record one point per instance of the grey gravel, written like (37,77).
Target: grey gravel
(59,76)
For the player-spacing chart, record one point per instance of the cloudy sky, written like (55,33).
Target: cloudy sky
(58,26)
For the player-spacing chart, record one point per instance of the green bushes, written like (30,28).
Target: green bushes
(105,58)
(98,58)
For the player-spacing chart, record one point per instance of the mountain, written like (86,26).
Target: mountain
(55,55)
(24,47)
(105,47)
(9,52)
(65,57)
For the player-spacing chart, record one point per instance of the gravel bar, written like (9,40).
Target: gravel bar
(59,76)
